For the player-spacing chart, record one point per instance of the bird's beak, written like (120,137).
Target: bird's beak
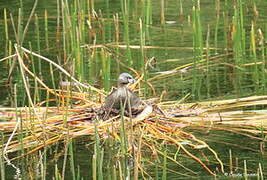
(131,80)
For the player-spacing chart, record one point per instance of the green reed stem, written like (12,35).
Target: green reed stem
(265,37)
(255,73)
(98,155)
(20,132)
(57,174)
(156,170)
(105,68)
(226,44)
(263,60)
(216,31)
(44,164)
(148,13)
(126,33)
(109,145)
(52,76)
(82,36)
(2,164)
(100,165)
(261,177)
(148,20)
(37,31)
(143,55)
(164,170)
(6,25)
(6,31)
(225,30)
(198,51)
(58,28)
(142,44)
(243,33)
(117,38)
(238,45)
(36,84)
(71,155)
(78,177)
(208,71)
(46,29)
(19,27)
(230,162)
(64,30)
(162,12)
(108,37)
(114,173)
(94,167)
(65,159)
(124,144)
(245,170)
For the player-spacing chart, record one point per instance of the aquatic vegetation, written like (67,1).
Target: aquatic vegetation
(34,128)
(186,59)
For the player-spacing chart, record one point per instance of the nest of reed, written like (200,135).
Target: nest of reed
(158,123)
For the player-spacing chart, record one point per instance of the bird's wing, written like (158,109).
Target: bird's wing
(134,99)
(111,99)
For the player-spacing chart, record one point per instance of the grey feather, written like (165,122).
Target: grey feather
(122,97)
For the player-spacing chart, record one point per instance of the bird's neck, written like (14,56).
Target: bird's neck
(120,85)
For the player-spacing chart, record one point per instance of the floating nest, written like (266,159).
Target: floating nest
(154,124)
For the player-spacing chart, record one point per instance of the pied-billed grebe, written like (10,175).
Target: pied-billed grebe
(123,97)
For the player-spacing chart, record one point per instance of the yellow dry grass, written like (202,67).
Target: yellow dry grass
(163,122)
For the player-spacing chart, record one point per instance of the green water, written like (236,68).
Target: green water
(230,73)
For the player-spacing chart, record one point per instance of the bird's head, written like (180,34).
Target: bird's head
(125,79)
